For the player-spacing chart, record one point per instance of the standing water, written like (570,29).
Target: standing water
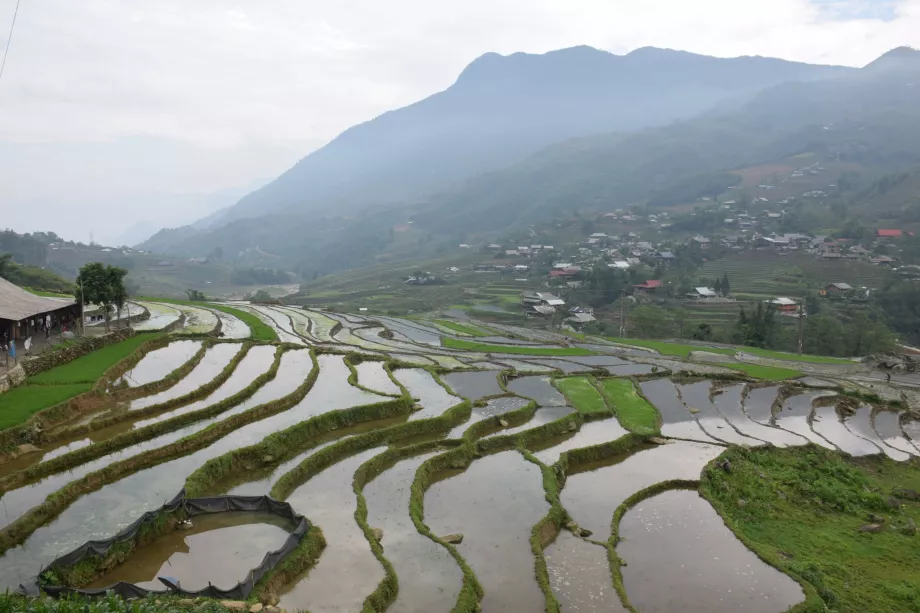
(429,578)
(160,362)
(347,571)
(676,419)
(680,556)
(494,503)
(215,360)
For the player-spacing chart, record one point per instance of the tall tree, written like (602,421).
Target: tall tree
(102,285)
(6,264)
(726,287)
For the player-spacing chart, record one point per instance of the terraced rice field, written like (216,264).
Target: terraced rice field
(448,478)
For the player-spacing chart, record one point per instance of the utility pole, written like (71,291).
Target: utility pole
(82,307)
(801,327)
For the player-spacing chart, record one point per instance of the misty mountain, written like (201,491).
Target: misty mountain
(503,108)
(870,116)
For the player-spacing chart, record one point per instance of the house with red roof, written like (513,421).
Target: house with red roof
(880,233)
(648,287)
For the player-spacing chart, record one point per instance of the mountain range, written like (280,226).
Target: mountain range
(523,138)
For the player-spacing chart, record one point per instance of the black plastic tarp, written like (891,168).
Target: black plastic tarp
(191,507)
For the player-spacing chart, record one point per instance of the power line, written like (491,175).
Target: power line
(9,39)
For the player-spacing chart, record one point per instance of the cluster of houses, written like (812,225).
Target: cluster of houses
(545,304)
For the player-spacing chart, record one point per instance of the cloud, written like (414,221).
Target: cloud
(263,83)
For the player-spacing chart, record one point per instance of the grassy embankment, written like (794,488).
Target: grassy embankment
(582,394)
(259,330)
(454,343)
(461,328)
(633,411)
(807,511)
(683,351)
(58,384)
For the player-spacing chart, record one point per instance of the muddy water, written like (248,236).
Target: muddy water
(579,575)
(254,364)
(676,419)
(888,426)
(215,360)
(543,416)
(493,408)
(421,385)
(347,571)
(796,415)
(159,363)
(102,513)
(827,423)
(473,385)
(537,388)
(197,320)
(372,375)
(696,396)
(591,433)
(232,326)
(429,578)
(494,503)
(860,424)
(728,403)
(219,549)
(681,557)
(758,404)
(592,496)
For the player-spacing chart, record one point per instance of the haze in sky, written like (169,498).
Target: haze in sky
(114,112)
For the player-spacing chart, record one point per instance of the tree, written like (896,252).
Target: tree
(102,285)
(6,265)
(649,321)
(726,287)
(718,286)
(261,296)
(755,329)
(703,332)
(196,295)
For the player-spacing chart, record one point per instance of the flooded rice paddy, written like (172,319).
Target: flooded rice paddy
(159,363)
(215,360)
(347,571)
(474,385)
(429,578)
(218,549)
(680,556)
(593,495)
(161,315)
(676,419)
(494,502)
(579,575)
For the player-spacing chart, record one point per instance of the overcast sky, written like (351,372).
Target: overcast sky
(107,106)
